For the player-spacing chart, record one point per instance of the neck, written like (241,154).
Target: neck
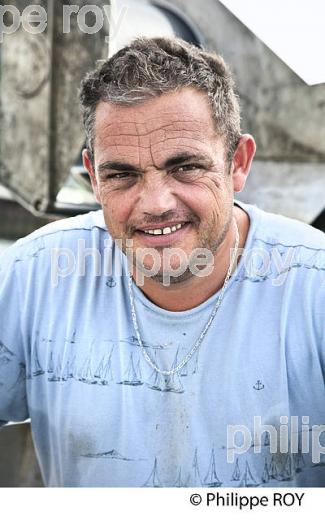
(195,290)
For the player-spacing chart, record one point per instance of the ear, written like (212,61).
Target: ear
(90,169)
(242,160)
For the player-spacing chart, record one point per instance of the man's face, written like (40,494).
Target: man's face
(161,174)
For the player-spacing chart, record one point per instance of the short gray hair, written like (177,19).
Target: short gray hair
(149,67)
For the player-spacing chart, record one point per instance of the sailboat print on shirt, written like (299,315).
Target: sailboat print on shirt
(236,473)
(104,371)
(211,479)
(72,365)
(86,375)
(50,368)
(73,338)
(37,369)
(21,378)
(66,371)
(179,482)
(153,479)
(267,439)
(256,442)
(265,475)
(166,383)
(196,364)
(5,350)
(298,461)
(287,469)
(57,372)
(273,470)
(247,479)
(184,370)
(5,354)
(132,375)
(195,480)
(133,340)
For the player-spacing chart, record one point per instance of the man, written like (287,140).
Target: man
(197,359)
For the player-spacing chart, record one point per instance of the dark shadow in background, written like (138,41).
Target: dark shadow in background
(18,464)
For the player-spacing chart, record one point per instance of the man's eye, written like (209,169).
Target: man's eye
(187,172)
(187,168)
(121,175)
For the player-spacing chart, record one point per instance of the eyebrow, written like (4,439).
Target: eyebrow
(118,166)
(184,157)
(175,160)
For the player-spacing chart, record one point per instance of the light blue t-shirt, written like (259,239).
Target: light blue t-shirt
(101,416)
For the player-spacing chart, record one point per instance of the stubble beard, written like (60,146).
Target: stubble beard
(205,241)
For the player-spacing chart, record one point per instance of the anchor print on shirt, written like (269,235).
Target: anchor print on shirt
(258,385)
(111,282)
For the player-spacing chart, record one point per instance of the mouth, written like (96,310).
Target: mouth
(164,234)
(167,230)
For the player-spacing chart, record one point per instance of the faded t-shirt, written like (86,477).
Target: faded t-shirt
(101,416)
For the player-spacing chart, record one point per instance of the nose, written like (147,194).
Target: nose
(156,195)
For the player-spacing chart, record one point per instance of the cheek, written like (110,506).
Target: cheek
(116,206)
(212,202)
(207,194)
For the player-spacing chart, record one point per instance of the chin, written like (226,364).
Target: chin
(168,278)
(175,274)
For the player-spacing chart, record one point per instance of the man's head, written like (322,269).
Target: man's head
(150,67)
(164,147)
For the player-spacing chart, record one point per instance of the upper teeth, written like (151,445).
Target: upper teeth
(163,231)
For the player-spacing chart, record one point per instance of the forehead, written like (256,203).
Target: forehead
(150,131)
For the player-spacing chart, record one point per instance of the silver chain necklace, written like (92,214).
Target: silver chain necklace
(205,328)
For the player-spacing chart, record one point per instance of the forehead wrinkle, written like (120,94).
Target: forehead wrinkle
(152,124)
(144,154)
(120,127)
(177,124)
(183,144)
(127,140)
(160,157)
(177,143)
(187,135)
(140,142)
(161,135)
(154,138)
(118,152)
(148,124)
(184,149)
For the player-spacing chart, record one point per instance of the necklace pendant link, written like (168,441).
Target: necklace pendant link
(205,329)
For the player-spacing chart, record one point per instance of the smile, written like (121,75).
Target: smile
(163,231)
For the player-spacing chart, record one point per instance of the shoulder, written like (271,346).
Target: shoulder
(289,232)
(70,226)
(61,233)
(277,232)
(287,259)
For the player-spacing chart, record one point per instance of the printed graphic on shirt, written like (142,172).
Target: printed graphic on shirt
(269,470)
(60,366)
